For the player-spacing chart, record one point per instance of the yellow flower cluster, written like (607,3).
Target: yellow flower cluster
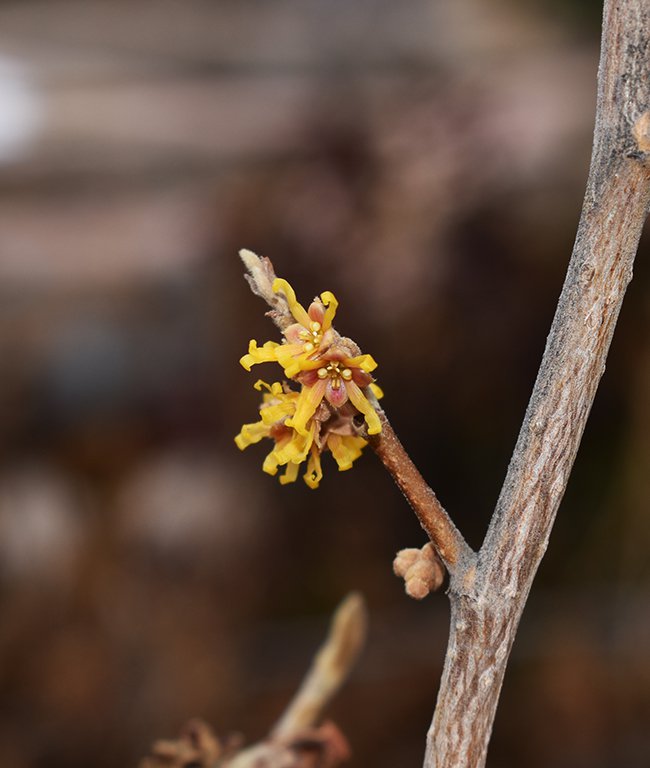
(333,381)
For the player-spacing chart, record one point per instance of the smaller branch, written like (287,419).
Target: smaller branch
(297,730)
(331,667)
(449,543)
(446,538)
(299,739)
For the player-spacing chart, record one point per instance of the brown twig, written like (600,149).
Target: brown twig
(296,732)
(447,539)
(331,667)
(298,740)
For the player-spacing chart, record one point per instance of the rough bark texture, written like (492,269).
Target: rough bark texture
(487,601)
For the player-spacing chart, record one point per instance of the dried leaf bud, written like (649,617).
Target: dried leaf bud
(421,569)
(404,559)
(417,588)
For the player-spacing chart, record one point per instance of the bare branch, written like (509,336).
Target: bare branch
(329,670)
(485,617)
(615,209)
(298,740)
(446,538)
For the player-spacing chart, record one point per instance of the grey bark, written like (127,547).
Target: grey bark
(488,597)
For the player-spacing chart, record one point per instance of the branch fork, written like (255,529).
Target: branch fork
(488,590)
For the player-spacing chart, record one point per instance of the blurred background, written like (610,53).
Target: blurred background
(425,160)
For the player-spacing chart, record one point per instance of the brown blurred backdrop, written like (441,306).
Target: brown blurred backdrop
(424,160)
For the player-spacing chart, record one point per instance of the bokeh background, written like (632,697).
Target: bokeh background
(425,160)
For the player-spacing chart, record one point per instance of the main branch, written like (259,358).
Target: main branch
(486,613)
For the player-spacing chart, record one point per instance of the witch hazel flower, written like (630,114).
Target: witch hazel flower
(290,448)
(336,387)
(327,365)
(335,434)
(304,340)
(337,378)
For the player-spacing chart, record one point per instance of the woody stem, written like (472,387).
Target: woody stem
(454,551)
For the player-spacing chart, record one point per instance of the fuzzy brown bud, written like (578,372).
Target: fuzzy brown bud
(404,559)
(421,569)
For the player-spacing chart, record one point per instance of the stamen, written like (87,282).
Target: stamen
(315,326)
(309,347)
(323,373)
(347,374)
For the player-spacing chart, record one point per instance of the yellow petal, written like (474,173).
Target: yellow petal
(307,364)
(329,300)
(359,401)
(271,414)
(251,433)
(308,401)
(367,363)
(270,465)
(296,309)
(272,389)
(290,474)
(296,449)
(286,352)
(314,473)
(345,449)
(376,390)
(263,354)
(298,364)
(293,358)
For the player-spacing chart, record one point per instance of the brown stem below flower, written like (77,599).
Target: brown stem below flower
(446,538)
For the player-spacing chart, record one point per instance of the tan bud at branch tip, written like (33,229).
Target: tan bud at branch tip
(421,569)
